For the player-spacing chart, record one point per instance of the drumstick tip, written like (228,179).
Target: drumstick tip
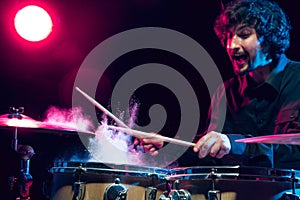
(77,88)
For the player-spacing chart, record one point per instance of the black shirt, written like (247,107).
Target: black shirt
(255,110)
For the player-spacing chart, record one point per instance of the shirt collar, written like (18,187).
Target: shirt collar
(275,77)
(273,80)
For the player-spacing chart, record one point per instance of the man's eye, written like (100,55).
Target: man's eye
(244,34)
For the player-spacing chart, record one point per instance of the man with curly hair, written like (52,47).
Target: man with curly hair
(264,96)
(262,99)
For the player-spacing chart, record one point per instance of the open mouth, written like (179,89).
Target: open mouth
(239,59)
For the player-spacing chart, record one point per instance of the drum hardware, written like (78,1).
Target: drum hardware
(133,182)
(79,187)
(79,170)
(294,181)
(115,191)
(293,195)
(292,139)
(25,152)
(213,194)
(21,131)
(15,113)
(150,192)
(176,194)
(24,179)
(167,191)
(79,190)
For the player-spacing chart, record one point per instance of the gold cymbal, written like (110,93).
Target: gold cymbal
(21,121)
(28,123)
(288,138)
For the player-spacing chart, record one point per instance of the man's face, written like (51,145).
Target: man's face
(244,49)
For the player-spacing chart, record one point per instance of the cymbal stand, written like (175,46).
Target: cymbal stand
(15,113)
(24,179)
(25,152)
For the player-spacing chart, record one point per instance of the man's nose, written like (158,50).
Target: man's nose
(233,43)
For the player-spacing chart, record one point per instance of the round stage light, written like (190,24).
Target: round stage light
(33,23)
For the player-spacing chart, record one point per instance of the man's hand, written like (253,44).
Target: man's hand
(213,143)
(150,145)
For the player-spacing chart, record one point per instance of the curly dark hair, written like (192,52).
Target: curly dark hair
(266,17)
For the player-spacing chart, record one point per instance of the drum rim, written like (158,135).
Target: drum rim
(233,172)
(107,168)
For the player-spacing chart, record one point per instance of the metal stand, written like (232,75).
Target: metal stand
(25,152)
(15,113)
(24,179)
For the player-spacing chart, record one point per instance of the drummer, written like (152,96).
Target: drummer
(263,98)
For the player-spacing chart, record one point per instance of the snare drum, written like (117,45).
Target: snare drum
(104,181)
(235,182)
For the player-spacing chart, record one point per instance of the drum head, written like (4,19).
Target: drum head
(235,172)
(107,168)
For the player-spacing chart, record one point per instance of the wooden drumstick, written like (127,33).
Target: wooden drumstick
(124,128)
(141,134)
(98,105)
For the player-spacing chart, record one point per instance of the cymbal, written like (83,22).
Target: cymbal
(25,122)
(288,138)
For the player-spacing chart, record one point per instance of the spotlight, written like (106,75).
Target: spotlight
(33,23)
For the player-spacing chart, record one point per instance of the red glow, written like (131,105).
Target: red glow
(33,23)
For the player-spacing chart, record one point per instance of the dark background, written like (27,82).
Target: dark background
(39,75)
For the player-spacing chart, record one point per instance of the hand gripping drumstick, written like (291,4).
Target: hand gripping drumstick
(126,129)
(142,134)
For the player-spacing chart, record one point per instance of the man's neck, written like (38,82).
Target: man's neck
(261,74)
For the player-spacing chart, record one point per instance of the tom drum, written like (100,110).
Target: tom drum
(233,183)
(104,181)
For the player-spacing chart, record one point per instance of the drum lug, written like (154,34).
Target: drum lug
(115,191)
(176,194)
(79,190)
(150,193)
(214,195)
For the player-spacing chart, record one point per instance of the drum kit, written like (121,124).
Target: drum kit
(62,179)
(20,137)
